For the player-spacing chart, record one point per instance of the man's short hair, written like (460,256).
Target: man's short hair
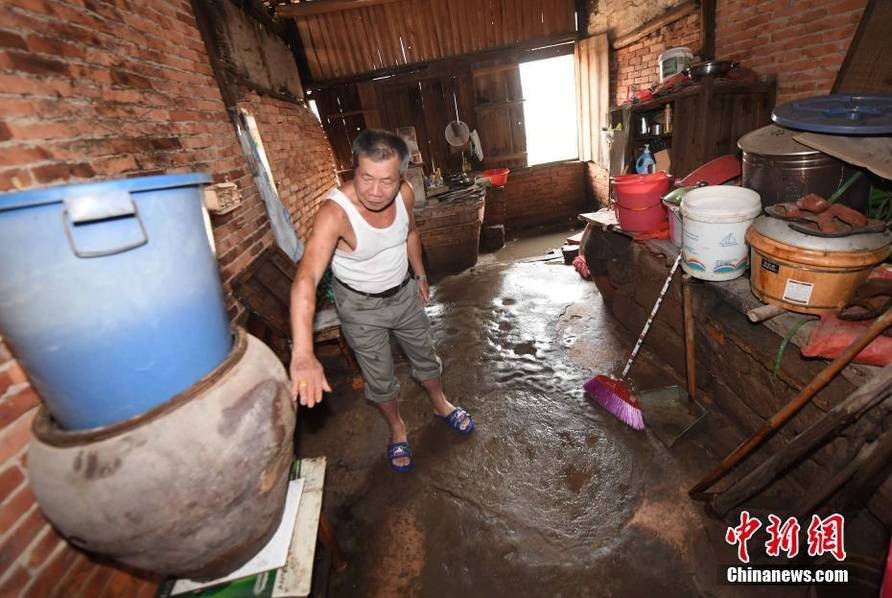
(378,145)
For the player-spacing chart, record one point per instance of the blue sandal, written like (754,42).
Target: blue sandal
(397,450)
(456,418)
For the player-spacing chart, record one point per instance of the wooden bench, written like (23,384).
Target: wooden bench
(264,289)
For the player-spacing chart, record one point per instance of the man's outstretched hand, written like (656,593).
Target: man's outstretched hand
(307,380)
(424,291)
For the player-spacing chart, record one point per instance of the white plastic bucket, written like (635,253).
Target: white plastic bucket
(674,61)
(715,222)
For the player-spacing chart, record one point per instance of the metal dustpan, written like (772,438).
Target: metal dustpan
(670,413)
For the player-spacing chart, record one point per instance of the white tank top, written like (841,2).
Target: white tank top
(380,259)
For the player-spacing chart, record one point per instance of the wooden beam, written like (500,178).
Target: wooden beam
(207,16)
(319,7)
(670,16)
(707,29)
(531,50)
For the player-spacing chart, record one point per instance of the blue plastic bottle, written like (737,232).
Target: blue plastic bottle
(645,163)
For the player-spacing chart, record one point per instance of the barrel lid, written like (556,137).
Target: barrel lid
(779,230)
(58,193)
(838,114)
(773,140)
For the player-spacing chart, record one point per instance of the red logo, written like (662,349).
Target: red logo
(826,535)
(741,534)
(783,538)
(823,536)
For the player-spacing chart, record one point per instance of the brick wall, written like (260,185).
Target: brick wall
(302,164)
(636,64)
(108,90)
(545,195)
(804,43)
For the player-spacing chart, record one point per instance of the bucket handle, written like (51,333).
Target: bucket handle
(91,209)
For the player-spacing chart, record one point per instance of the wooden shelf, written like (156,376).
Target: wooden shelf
(718,86)
(708,118)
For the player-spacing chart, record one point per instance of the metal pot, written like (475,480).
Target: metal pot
(710,68)
(781,169)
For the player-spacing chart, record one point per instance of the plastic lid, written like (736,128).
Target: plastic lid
(838,114)
(721,203)
(773,141)
(780,231)
(48,195)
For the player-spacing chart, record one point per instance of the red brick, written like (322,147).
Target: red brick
(51,577)
(98,581)
(22,535)
(12,40)
(82,570)
(15,583)
(15,507)
(15,405)
(10,479)
(14,437)
(43,548)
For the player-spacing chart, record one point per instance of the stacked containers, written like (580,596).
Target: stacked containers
(638,205)
(110,295)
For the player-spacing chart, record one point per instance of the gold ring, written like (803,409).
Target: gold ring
(302,383)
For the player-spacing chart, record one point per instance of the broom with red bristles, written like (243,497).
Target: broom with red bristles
(612,393)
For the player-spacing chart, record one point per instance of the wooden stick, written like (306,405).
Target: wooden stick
(330,540)
(842,414)
(790,409)
(824,489)
(764,312)
(872,473)
(690,347)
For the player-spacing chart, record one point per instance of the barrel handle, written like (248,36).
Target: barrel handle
(91,209)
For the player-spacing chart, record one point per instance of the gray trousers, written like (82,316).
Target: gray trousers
(367,323)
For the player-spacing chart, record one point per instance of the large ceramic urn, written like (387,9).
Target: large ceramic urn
(192,488)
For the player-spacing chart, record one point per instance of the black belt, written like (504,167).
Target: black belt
(387,293)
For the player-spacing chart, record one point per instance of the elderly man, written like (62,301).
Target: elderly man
(367,232)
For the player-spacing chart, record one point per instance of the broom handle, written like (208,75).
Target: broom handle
(650,320)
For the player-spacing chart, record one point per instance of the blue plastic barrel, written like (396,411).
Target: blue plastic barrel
(110,295)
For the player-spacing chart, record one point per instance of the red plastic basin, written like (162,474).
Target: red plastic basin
(497,176)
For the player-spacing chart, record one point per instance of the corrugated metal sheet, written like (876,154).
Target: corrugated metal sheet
(362,40)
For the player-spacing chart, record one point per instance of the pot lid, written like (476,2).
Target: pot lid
(773,140)
(778,230)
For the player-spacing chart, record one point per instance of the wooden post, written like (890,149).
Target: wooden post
(690,346)
(330,540)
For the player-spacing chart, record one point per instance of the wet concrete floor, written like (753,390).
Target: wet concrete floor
(551,495)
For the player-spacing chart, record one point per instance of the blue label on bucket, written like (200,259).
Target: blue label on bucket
(729,241)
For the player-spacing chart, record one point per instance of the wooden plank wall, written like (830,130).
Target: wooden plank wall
(363,40)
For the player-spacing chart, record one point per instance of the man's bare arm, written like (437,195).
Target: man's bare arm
(413,244)
(307,377)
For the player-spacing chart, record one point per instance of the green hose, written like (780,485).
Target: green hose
(783,347)
(844,187)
